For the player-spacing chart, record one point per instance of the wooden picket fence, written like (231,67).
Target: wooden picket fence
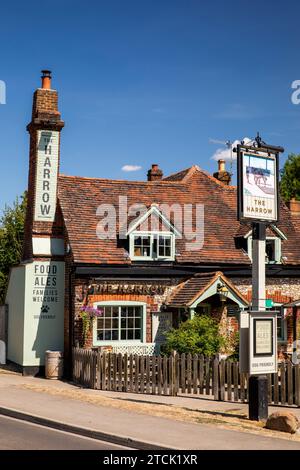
(179,375)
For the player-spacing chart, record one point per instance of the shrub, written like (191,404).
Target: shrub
(197,336)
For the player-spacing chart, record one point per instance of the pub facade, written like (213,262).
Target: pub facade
(135,258)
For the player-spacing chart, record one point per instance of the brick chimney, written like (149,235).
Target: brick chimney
(44,154)
(294,207)
(155,173)
(222,175)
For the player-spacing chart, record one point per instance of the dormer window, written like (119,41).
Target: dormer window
(274,240)
(152,246)
(273,250)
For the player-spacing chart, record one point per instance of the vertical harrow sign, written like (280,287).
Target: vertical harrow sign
(258,204)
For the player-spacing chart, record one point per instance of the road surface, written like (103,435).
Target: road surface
(20,435)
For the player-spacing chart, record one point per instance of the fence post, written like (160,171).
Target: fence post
(229,387)
(195,374)
(290,384)
(222,379)
(189,373)
(216,379)
(173,384)
(207,375)
(282,384)
(125,388)
(74,365)
(99,371)
(297,384)
(182,373)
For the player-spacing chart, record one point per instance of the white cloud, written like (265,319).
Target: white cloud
(236,111)
(158,110)
(131,168)
(226,153)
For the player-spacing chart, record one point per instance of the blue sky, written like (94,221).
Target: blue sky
(148,81)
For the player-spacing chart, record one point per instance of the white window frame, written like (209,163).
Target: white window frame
(152,235)
(277,249)
(284,324)
(278,306)
(120,303)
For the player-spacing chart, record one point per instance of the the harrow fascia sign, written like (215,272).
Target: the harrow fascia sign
(257,186)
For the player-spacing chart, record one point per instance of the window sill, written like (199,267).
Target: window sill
(155,260)
(125,342)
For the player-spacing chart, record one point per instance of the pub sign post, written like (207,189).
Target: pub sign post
(258,204)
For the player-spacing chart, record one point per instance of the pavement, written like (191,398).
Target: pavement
(65,406)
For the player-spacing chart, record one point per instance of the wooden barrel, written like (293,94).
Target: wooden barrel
(54,364)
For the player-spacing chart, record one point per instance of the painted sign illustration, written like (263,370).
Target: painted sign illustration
(259,187)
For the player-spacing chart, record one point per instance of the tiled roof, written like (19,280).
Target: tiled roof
(80,197)
(188,292)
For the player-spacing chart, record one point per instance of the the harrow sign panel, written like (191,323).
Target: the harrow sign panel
(46,176)
(258,186)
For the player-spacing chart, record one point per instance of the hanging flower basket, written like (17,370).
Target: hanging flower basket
(88,314)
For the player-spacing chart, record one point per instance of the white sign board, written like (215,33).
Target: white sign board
(262,343)
(46,175)
(44,310)
(259,187)
(161,324)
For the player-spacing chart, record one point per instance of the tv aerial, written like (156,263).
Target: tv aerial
(227,144)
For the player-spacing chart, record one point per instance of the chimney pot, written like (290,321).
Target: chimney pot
(155,173)
(46,79)
(294,207)
(221,165)
(222,175)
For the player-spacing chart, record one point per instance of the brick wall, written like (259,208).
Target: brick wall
(153,304)
(283,290)
(278,289)
(45,115)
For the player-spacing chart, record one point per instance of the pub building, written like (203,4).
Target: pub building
(145,278)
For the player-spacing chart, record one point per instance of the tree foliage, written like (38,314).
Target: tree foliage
(290,178)
(11,239)
(197,336)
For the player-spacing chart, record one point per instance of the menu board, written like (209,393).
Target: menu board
(263,337)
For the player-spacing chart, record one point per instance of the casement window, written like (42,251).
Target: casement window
(281,323)
(152,246)
(273,250)
(281,329)
(121,321)
(149,242)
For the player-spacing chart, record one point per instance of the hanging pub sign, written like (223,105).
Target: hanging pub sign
(257,185)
